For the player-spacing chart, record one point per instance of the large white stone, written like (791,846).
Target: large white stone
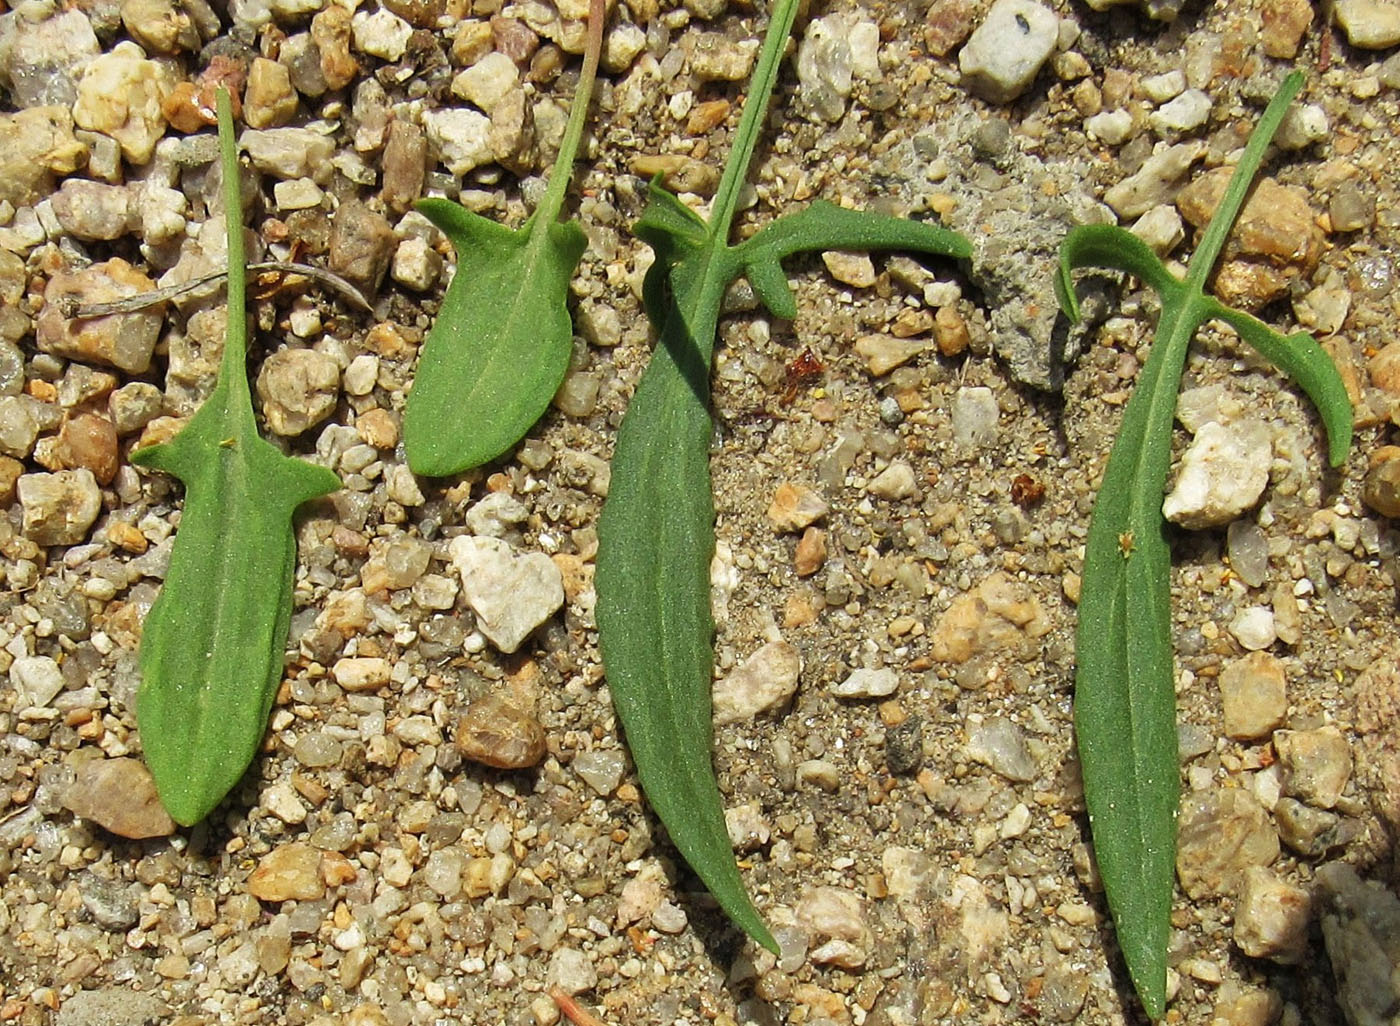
(1222,474)
(1006,51)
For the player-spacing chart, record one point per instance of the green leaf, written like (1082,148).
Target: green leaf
(1125,701)
(212,644)
(500,346)
(656,532)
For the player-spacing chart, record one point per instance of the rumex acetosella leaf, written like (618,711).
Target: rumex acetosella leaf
(500,346)
(656,532)
(212,644)
(1125,701)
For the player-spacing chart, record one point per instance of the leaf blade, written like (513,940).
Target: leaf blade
(211,645)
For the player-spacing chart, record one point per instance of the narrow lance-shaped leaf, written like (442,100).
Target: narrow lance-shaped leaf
(212,644)
(500,346)
(1125,703)
(656,533)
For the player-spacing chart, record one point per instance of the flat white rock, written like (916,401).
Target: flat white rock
(1222,474)
(1004,54)
(511,593)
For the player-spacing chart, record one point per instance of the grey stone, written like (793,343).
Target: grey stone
(1249,552)
(511,593)
(1006,51)
(112,1006)
(110,903)
(289,152)
(1158,180)
(1000,744)
(975,417)
(601,770)
(43,58)
(495,515)
(1361,928)
(92,210)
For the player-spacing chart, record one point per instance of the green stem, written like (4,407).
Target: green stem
(736,169)
(233,370)
(562,172)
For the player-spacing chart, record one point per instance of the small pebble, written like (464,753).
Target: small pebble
(1222,474)
(854,269)
(119,795)
(1271,917)
(1000,744)
(120,94)
(1220,834)
(795,507)
(1006,51)
(1254,697)
(883,353)
(298,388)
(499,733)
(975,417)
(1316,764)
(1156,182)
(511,593)
(601,770)
(59,508)
(763,682)
(895,482)
(571,971)
(834,914)
(1253,627)
(1369,24)
(868,683)
(37,680)
(1308,831)
(904,746)
(1249,552)
(810,554)
(288,872)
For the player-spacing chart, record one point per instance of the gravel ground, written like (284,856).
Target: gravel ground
(903,479)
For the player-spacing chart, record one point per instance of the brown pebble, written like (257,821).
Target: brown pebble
(706,117)
(950,332)
(126,537)
(1385,369)
(405,164)
(1285,21)
(496,733)
(330,30)
(292,871)
(515,39)
(362,244)
(378,428)
(88,440)
(1381,488)
(120,796)
(795,507)
(947,24)
(10,471)
(811,552)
